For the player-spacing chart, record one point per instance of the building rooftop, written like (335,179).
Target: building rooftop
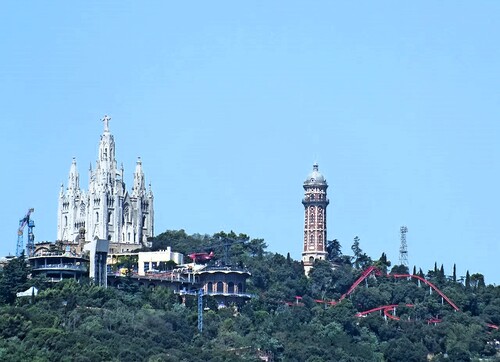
(315,177)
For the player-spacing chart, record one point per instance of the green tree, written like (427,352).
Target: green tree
(334,250)
(382,264)
(321,279)
(361,260)
(467,280)
(13,278)
(257,247)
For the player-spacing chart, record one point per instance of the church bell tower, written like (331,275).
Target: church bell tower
(315,202)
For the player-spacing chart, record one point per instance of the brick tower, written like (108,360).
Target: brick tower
(315,203)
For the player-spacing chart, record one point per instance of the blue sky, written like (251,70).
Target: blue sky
(229,105)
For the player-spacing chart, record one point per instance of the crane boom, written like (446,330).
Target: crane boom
(31,238)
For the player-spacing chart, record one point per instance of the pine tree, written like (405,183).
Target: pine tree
(357,251)
(467,280)
(454,273)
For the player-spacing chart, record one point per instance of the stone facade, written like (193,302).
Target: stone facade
(315,202)
(107,210)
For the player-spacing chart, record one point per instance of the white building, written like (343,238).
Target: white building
(152,260)
(107,210)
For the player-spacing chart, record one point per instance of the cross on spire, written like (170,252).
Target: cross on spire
(106,120)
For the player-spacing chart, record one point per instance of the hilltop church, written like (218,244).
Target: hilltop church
(107,210)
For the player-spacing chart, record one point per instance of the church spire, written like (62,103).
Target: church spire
(139,185)
(74,177)
(106,159)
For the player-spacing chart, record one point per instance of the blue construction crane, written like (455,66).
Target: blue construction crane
(199,294)
(200,310)
(30,245)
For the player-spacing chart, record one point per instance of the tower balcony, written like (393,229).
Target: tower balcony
(315,201)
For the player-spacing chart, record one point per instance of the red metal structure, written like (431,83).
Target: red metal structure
(363,276)
(386,309)
(383,308)
(448,300)
(201,257)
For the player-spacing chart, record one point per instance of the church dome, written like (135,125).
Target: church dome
(315,177)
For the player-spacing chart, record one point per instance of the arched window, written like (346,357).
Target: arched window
(65,221)
(109,217)
(126,213)
(96,217)
(230,287)
(240,288)
(210,287)
(311,259)
(220,287)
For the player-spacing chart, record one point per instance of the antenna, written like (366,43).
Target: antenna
(403,248)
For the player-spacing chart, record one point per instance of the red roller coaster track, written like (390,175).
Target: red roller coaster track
(387,308)
(392,307)
(372,269)
(363,276)
(384,307)
(429,284)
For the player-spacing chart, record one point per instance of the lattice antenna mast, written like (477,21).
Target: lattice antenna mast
(403,248)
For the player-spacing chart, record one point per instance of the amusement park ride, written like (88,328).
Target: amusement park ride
(387,309)
(201,257)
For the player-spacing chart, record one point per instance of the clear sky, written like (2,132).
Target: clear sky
(229,104)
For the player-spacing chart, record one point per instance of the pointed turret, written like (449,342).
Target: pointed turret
(139,187)
(74,177)
(107,146)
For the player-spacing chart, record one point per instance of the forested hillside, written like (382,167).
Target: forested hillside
(291,317)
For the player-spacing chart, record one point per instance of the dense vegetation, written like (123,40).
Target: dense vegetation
(71,321)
